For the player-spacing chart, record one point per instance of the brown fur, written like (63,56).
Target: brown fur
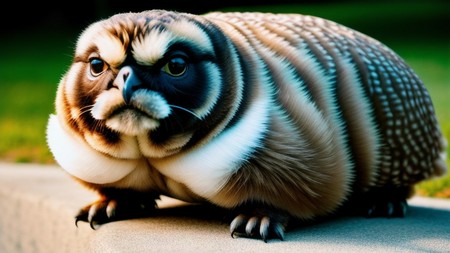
(300,177)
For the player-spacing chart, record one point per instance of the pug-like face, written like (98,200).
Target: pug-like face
(153,76)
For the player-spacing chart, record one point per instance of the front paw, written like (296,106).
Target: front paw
(113,209)
(261,222)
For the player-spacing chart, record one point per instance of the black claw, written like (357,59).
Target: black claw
(77,219)
(81,216)
(403,208)
(370,211)
(279,235)
(390,210)
(92,224)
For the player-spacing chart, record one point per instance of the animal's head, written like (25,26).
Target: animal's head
(156,75)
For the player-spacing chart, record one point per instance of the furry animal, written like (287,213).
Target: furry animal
(276,117)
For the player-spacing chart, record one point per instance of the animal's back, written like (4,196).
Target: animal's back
(382,108)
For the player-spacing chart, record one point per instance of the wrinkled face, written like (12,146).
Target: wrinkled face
(133,75)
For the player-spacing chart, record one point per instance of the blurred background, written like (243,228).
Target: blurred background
(38,39)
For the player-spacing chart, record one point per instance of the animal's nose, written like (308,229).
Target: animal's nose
(130,82)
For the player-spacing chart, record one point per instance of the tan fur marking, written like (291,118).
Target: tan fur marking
(290,172)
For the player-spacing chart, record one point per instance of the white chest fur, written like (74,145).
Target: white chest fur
(82,161)
(206,169)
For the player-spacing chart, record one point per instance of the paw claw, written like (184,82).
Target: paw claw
(237,223)
(258,226)
(107,210)
(111,209)
(388,209)
(403,208)
(279,231)
(252,224)
(77,219)
(92,225)
(370,212)
(264,228)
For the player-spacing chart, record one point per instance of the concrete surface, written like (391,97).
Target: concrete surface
(38,203)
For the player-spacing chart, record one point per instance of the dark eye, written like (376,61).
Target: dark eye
(176,66)
(97,66)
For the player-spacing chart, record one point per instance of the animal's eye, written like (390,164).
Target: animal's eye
(97,66)
(176,66)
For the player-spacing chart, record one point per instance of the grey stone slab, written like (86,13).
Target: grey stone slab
(38,204)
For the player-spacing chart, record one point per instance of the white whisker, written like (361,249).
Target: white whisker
(85,109)
(186,110)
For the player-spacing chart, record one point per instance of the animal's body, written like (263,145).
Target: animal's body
(281,117)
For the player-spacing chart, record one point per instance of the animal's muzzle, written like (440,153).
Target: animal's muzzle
(131,82)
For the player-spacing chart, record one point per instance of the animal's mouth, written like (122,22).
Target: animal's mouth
(141,114)
(132,122)
(129,109)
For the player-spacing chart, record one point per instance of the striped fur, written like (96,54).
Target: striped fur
(291,111)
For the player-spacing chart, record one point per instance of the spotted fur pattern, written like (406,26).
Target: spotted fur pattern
(291,112)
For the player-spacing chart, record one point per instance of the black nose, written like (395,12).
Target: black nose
(131,83)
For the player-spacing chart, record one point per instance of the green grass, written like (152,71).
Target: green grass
(433,67)
(32,64)
(30,68)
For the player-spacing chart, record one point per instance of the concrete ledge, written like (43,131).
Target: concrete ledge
(38,203)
